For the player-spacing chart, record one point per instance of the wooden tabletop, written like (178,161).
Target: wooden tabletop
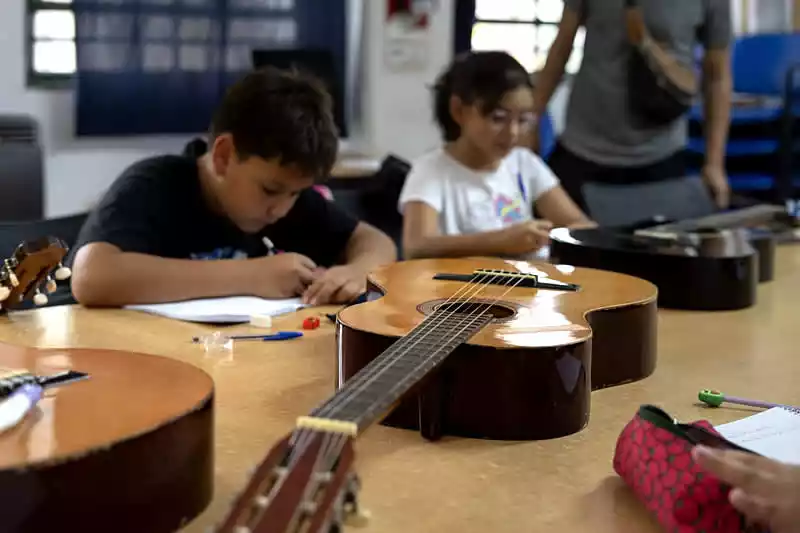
(460,484)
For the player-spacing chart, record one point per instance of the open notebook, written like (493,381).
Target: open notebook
(774,433)
(231,310)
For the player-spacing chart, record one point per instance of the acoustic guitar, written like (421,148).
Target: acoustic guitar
(481,348)
(29,267)
(119,441)
(711,263)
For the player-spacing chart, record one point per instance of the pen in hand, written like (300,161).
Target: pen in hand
(268,244)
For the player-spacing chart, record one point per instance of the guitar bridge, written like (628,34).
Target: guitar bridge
(508,278)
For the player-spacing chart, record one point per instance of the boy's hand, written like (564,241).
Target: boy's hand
(525,237)
(283,275)
(339,284)
(767,492)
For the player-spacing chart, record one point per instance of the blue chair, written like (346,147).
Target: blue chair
(761,140)
(547,136)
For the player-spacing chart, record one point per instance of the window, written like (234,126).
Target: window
(51,28)
(524,28)
(161,66)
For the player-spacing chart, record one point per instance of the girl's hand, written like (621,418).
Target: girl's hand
(525,237)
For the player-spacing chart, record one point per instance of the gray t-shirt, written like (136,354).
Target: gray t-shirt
(599,125)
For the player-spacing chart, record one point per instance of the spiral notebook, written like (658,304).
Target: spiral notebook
(774,433)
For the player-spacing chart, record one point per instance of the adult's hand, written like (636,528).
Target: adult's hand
(716,180)
(767,492)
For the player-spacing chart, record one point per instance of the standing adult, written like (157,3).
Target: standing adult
(606,140)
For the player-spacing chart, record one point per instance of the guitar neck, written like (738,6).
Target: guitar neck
(372,392)
(749,216)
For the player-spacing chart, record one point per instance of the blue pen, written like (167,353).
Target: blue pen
(14,408)
(520,181)
(282,335)
(279,336)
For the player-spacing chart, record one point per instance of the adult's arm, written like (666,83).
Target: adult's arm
(717,89)
(550,76)
(717,34)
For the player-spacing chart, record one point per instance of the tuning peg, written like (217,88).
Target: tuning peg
(50,285)
(39,298)
(4,293)
(354,515)
(357,517)
(63,272)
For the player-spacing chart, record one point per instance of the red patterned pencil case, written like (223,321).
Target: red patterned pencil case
(653,456)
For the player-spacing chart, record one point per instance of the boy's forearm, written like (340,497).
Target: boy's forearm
(369,248)
(131,278)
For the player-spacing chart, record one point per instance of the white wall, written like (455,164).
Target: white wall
(396,111)
(399,116)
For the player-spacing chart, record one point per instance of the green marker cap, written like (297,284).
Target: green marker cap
(711,397)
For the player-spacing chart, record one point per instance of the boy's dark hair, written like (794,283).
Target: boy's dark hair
(476,77)
(273,113)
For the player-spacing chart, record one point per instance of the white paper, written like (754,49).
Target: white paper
(774,433)
(232,310)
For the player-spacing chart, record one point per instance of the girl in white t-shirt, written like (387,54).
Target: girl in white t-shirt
(475,195)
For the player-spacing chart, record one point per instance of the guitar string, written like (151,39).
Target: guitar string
(476,317)
(367,370)
(476,287)
(426,327)
(323,456)
(333,444)
(304,436)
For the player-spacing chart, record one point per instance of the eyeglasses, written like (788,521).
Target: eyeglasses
(501,119)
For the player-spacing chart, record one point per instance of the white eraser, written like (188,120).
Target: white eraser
(261,321)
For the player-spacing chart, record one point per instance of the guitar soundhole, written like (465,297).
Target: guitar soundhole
(499,311)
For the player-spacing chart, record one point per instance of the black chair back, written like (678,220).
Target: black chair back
(21,169)
(374,199)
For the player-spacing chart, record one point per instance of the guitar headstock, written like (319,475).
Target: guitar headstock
(306,484)
(32,264)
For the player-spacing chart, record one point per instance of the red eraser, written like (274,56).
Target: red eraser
(311,322)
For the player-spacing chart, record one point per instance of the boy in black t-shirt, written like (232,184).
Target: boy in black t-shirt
(246,201)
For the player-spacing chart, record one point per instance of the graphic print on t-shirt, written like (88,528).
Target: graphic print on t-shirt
(227,252)
(507,209)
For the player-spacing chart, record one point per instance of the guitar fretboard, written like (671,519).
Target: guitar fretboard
(376,387)
(748,216)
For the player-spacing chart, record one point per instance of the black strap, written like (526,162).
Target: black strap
(689,432)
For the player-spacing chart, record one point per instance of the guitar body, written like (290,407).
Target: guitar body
(720,272)
(130,449)
(529,373)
